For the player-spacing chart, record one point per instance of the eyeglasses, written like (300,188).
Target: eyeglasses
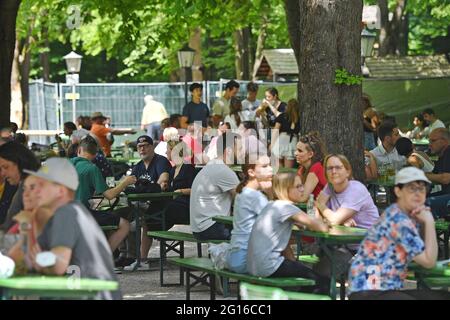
(416,188)
(337,168)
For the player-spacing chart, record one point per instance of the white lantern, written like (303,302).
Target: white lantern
(73,62)
(367,42)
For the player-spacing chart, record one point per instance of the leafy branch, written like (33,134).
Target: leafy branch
(342,76)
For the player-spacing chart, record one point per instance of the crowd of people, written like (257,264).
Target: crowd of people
(49,205)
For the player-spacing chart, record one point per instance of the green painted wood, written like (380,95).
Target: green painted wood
(337,234)
(152,196)
(227,220)
(44,284)
(206,265)
(309,258)
(179,236)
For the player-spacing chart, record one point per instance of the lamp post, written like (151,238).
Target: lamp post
(73,62)
(185,59)
(367,42)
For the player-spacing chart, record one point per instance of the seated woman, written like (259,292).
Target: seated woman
(249,202)
(309,155)
(414,158)
(344,200)
(268,252)
(379,268)
(181,177)
(421,129)
(234,118)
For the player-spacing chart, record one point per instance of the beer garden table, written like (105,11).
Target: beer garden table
(158,216)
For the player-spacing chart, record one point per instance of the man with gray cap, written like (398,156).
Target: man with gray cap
(70,231)
(379,268)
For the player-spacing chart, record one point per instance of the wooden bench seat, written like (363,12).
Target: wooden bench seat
(174,241)
(205,265)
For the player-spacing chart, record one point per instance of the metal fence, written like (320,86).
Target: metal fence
(123,102)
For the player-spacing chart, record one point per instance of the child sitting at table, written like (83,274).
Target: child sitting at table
(380,267)
(249,202)
(268,252)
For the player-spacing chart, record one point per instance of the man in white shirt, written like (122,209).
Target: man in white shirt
(152,115)
(434,122)
(221,107)
(250,104)
(385,153)
(213,190)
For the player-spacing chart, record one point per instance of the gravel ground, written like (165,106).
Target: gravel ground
(144,285)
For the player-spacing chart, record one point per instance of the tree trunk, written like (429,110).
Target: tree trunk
(24,68)
(242,53)
(330,39)
(394,34)
(292,8)
(195,42)
(8,14)
(384,32)
(260,43)
(44,57)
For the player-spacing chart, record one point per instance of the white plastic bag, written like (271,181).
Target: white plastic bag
(218,254)
(7,266)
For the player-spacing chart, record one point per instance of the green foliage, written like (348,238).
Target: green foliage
(342,76)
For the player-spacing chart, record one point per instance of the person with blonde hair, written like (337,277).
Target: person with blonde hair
(344,200)
(285,135)
(269,254)
(181,176)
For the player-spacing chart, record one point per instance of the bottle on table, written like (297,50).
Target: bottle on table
(310,206)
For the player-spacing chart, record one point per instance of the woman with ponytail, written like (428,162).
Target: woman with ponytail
(249,202)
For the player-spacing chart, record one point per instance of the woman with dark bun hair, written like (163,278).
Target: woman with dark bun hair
(15,157)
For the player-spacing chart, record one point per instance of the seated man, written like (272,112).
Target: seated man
(70,232)
(92,183)
(439,145)
(386,154)
(213,190)
(155,168)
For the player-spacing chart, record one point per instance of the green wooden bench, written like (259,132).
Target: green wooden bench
(174,241)
(109,228)
(209,274)
(255,292)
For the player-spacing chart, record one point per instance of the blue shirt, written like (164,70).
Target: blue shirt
(196,112)
(382,259)
(157,166)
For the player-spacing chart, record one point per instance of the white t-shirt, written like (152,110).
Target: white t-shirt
(210,194)
(269,237)
(436,124)
(383,157)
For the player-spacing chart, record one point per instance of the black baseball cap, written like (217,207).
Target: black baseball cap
(143,139)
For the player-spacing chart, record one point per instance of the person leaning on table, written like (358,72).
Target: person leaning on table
(71,233)
(380,266)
